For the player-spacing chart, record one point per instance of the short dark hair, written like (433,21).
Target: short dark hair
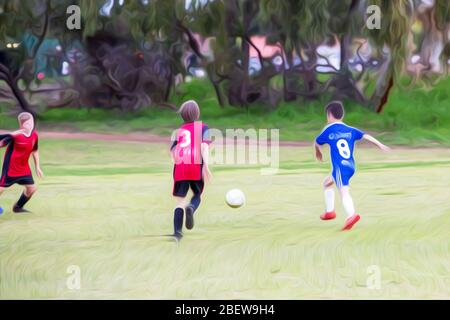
(336,108)
(189,111)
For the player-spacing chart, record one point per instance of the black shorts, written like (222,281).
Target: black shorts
(7,181)
(181,188)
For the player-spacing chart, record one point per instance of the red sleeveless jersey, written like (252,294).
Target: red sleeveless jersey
(187,151)
(15,163)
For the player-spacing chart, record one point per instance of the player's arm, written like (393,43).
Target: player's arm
(172,150)
(37,165)
(206,140)
(318,149)
(5,139)
(205,158)
(375,142)
(320,140)
(174,140)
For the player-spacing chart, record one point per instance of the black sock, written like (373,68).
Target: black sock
(22,200)
(178,220)
(195,201)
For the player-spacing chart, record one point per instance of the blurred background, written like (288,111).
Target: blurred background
(108,72)
(128,65)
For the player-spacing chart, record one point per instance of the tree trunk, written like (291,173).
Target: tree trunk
(309,74)
(344,44)
(288,92)
(245,49)
(169,86)
(385,97)
(20,97)
(5,75)
(384,85)
(245,67)
(218,93)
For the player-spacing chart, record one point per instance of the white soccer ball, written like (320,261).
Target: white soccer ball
(235,198)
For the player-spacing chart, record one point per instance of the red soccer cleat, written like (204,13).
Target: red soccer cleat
(328,215)
(351,221)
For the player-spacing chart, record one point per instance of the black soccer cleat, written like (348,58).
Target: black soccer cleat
(18,209)
(189,211)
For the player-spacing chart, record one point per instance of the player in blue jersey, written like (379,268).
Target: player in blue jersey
(341,138)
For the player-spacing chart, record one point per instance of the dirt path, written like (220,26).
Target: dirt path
(126,137)
(129,137)
(151,138)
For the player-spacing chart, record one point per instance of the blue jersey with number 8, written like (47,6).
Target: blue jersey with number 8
(341,138)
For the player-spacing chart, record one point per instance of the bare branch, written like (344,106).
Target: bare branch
(363,71)
(328,65)
(114,81)
(260,57)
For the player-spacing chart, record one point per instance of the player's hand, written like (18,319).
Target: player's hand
(319,155)
(39,173)
(206,175)
(385,148)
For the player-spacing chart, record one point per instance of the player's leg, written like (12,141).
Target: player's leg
(197,189)
(349,208)
(178,216)
(347,200)
(1,191)
(26,195)
(328,192)
(4,183)
(180,191)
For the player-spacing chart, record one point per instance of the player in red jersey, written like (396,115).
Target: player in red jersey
(190,150)
(21,144)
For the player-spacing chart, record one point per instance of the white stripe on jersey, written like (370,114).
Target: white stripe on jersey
(330,124)
(338,177)
(337,122)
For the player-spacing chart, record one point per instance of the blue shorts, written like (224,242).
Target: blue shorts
(342,175)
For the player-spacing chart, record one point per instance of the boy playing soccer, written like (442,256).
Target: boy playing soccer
(341,138)
(21,144)
(190,152)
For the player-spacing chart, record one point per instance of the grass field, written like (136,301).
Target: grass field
(105,207)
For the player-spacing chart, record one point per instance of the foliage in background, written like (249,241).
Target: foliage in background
(419,117)
(134,54)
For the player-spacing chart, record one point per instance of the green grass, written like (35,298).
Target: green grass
(105,208)
(419,117)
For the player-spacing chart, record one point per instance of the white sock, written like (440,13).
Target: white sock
(347,202)
(329,199)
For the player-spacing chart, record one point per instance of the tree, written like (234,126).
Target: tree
(16,18)
(134,52)
(37,18)
(130,53)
